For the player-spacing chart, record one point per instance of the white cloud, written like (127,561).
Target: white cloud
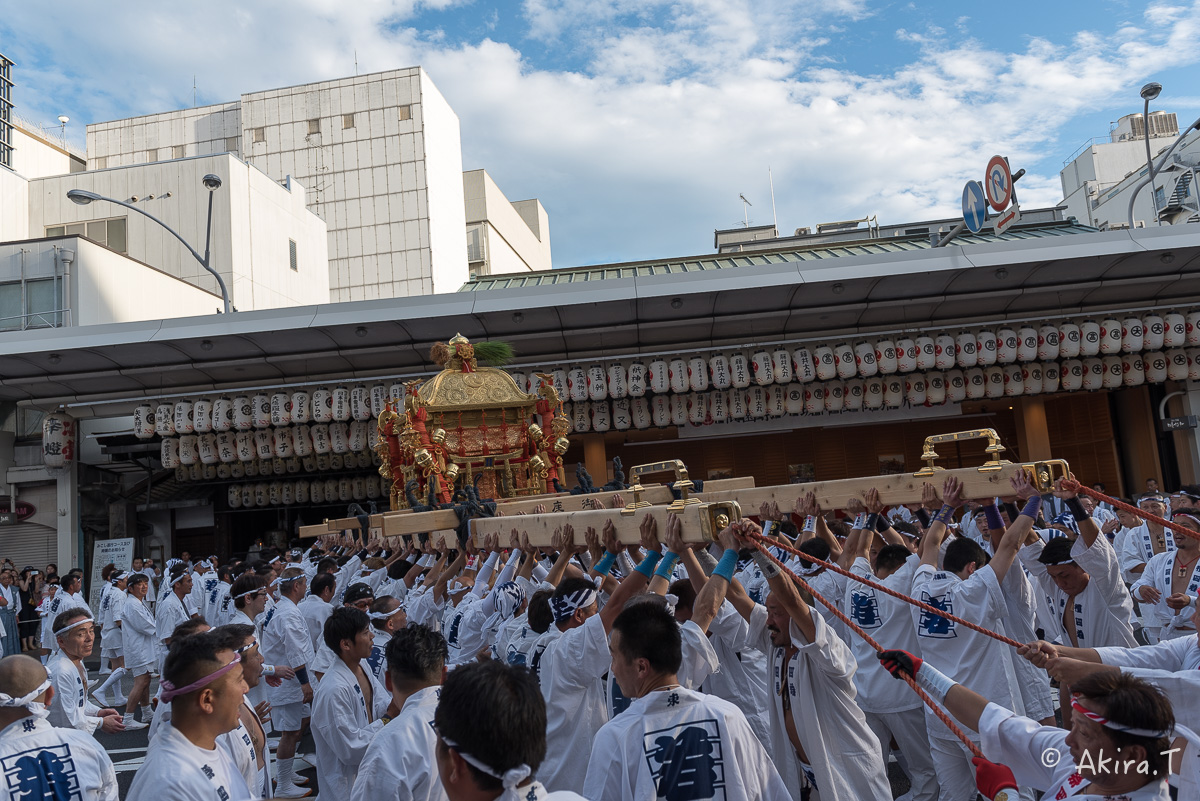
(671,109)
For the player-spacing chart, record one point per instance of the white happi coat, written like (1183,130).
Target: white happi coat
(377,661)
(285,642)
(843,752)
(741,678)
(177,770)
(315,612)
(1183,690)
(341,729)
(240,747)
(698,664)
(1137,549)
(138,638)
(1169,622)
(71,708)
(400,763)
(673,740)
(41,761)
(110,641)
(1103,611)
(170,613)
(1022,744)
(217,602)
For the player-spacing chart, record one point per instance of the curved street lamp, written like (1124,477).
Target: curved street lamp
(211,183)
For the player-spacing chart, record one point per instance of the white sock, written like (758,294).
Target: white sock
(147,714)
(113,678)
(284,772)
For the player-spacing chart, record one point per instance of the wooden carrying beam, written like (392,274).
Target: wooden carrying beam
(701,519)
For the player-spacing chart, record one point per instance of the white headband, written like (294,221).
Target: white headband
(70,626)
(508,779)
(25,700)
(179,578)
(565,606)
(384,615)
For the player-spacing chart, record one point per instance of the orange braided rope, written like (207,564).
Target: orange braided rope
(1071,485)
(758,538)
(933,706)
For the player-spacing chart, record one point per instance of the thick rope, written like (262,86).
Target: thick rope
(933,706)
(933,610)
(1071,485)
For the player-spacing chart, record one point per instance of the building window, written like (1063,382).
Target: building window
(347,121)
(232,144)
(258,134)
(152,155)
(178,151)
(1160,197)
(314,127)
(6,128)
(31,304)
(405,113)
(110,232)
(101,163)
(292,255)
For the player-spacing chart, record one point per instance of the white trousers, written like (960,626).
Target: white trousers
(907,728)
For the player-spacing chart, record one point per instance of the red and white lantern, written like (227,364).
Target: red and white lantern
(804,367)
(1048,339)
(835,395)
(679,410)
(660,409)
(739,370)
(1051,376)
(1177,365)
(226,447)
(893,392)
(846,361)
(1192,326)
(1027,344)
(826,363)
(865,360)
(782,364)
(994,387)
(1014,380)
(1194,364)
(855,392)
(1034,379)
(638,380)
(622,418)
(1174,330)
(1110,336)
(640,413)
(886,356)
(188,450)
(658,376)
(756,403)
(935,385)
(956,386)
(1070,338)
(776,406)
(718,365)
(762,365)
(873,393)
(184,421)
(916,391)
(597,383)
(793,403)
(143,422)
(1071,372)
(164,419)
(618,381)
(261,410)
(1152,331)
(358,436)
(558,378)
(601,416)
(1006,346)
(222,415)
(906,355)
(202,416)
(577,384)
(1089,338)
(697,373)
(926,353)
(1133,334)
(719,403)
(281,408)
(1114,372)
(976,383)
(58,443)
(206,445)
(988,347)
(168,453)
(814,398)
(1133,369)
(943,348)
(1093,374)
(697,408)
(379,398)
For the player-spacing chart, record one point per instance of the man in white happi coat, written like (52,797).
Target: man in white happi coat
(173,608)
(75,632)
(818,731)
(138,638)
(387,617)
(68,596)
(1145,540)
(247,744)
(39,760)
(672,742)
(218,607)
(349,705)
(1167,587)
(401,762)
(284,641)
(491,727)
(317,606)
(1118,746)
(111,653)
(204,686)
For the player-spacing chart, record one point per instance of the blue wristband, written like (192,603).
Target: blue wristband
(646,568)
(605,564)
(994,520)
(1032,507)
(726,567)
(302,675)
(666,567)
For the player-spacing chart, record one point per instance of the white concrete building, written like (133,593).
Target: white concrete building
(1098,179)
(503,236)
(380,154)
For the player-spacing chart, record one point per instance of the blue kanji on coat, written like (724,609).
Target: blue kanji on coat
(864,608)
(686,761)
(42,774)
(932,625)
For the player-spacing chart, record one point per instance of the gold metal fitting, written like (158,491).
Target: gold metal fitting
(537,464)
(994,449)
(561,445)
(714,517)
(535,432)
(682,483)
(424,458)
(439,436)
(450,473)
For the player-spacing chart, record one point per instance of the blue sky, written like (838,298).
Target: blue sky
(638,122)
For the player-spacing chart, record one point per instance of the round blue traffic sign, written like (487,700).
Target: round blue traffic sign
(974,204)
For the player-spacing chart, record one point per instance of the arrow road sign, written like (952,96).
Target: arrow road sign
(974,206)
(1008,219)
(997,181)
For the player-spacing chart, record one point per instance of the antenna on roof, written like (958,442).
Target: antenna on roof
(356,62)
(774,216)
(193,91)
(745,213)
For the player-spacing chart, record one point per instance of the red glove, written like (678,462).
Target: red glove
(899,662)
(992,779)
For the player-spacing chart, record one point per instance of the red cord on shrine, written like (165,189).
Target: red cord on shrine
(1072,485)
(804,585)
(758,538)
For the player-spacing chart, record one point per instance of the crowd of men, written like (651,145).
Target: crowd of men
(669,669)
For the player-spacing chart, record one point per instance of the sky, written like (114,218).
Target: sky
(638,123)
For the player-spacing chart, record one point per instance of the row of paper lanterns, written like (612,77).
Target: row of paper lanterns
(286,493)
(285,442)
(323,463)
(914,389)
(846,360)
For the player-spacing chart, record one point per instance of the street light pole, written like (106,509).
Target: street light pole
(1149,92)
(212,183)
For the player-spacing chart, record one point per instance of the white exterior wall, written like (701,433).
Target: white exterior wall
(249,233)
(34,158)
(200,131)
(443,202)
(509,243)
(14,206)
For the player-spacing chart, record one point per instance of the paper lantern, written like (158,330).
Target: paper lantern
(719,405)
(677,375)
(243,444)
(906,355)
(251,468)
(976,383)
(640,413)
(762,368)
(1192,327)
(188,450)
(1110,336)
(1132,334)
(164,419)
(358,488)
(622,417)
(262,494)
(234,496)
(697,373)
(1089,338)
(323,462)
(1072,372)
(637,379)
(302,406)
(281,409)
(316,492)
(398,392)
(737,405)
(260,410)
(835,395)
(1133,369)
(379,397)
(943,352)
(357,437)
(601,416)
(739,371)
(1048,339)
(1114,372)
(916,391)
(893,392)
(618,381)
(804,368)
(577,389)
(1051,376)
(264,443)
(1177,365)
(1194,364)
(597,383)
(855,389)
(988,347)
(226,447)
(873,393)
(275,467)
(223,470)
(309,464)
(1006,346)
(993,381)
(205,472)
(864,359)
(143,422)
(793,400)
(373,487)
(182,473)
(1032,374)
(1174,330)
(782,364)
(1014,380)
(342,411)
(345,490)
(660,410)
(1152,332)
(935,385)
(814,398)
(845,360)
(679,411)
(775,396)
(222,415)
(966,350)
(300,490)
(956,386)
(287,494)
(240,410)
(926,353)
(1027,344)
(581,417)
(339,438)
(885,356)
(520,379)
(659,376)
(825,362)
(1093,373)
(697,405)
(322,406)
(184,422)
(206,446)
(718,367)
(168,453)
(202,416)
(1070,339)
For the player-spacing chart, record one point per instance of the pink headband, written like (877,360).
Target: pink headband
(169,691)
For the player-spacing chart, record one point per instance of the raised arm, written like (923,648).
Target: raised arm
(1014,535)
(931,543)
